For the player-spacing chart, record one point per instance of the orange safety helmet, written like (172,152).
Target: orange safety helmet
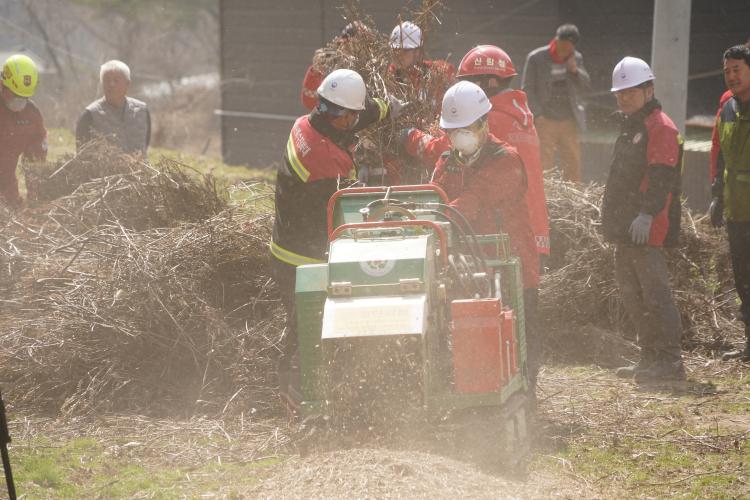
(486,60)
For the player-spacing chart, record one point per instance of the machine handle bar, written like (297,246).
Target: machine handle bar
(379,189)
(397,223)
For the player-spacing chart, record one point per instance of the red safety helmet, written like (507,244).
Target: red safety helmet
(486,60)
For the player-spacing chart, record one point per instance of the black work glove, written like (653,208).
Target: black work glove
(716,211)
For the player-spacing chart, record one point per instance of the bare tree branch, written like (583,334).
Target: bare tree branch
(42,31)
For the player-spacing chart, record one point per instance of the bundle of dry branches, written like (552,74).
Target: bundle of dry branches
(369,53)
(143,198)
(48,181)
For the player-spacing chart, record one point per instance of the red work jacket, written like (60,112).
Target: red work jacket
(315,157)
(644,177)
(489,191)
(510,121)
(21,133)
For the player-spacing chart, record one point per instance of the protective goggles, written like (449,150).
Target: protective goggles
(334,109)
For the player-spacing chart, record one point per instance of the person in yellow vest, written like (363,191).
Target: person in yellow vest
(731,182)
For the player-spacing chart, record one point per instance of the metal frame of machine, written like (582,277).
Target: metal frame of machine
(398,266)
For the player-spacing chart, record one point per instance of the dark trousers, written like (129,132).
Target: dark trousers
(643,278)
(533,342)
(285,276)
(739,249)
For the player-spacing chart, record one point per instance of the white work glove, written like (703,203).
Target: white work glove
(363,174)
(640,228)
(396,106)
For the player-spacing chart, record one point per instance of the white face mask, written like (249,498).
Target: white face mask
(16,104)
(466,141)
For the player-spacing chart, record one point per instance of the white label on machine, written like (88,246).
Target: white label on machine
(374,316)
(377,268)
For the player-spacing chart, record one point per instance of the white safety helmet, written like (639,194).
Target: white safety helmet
(345,88)
(406,35)
(463,104)
(630,72)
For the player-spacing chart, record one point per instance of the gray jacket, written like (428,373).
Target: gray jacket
(538,75)
(128,127)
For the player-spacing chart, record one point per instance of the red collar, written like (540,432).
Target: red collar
(553,52)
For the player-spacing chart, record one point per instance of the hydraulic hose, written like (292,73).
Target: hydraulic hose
(477,252)
(476,258)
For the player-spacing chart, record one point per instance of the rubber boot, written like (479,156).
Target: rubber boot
(742,354)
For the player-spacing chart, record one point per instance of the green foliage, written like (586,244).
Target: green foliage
(42,471)
(46,467)
(83,468)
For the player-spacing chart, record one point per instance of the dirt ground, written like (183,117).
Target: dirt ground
(595,437)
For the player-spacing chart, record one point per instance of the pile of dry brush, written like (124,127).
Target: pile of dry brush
(130,286)
(142,289)
(579,290)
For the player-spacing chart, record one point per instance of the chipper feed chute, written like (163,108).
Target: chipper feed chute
(377,286)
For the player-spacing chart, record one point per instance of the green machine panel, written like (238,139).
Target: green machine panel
(347,206)
(310,296)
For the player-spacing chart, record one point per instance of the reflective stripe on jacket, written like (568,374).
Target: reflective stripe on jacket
(316,156)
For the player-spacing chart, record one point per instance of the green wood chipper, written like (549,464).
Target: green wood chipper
(412,310)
